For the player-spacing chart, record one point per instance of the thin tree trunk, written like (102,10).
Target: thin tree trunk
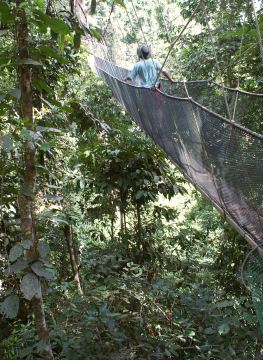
(124,222)
(121,219)
(72,5)
(139,226)
(113,212)
(79,9)
(27,197)
(38,308)
(73,262)
(112,228)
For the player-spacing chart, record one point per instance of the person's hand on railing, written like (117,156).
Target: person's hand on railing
(168,76)
(126,78)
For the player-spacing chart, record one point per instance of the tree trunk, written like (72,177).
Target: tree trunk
(27,194)
(73,262)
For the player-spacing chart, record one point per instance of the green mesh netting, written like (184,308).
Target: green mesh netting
(221,157)
(253,279)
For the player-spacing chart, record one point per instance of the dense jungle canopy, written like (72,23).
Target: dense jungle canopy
(107,251)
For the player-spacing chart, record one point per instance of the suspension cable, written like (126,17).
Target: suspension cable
(139,23)
(216,60)
(177,39)
(104,46)
(201,142)
(260,42)
(109,20)
(187,159)
(170,40)
(238,71)
(143,33)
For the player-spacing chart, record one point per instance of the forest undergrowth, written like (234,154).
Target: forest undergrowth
(184,302)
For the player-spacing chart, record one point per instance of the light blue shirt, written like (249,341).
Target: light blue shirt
(147,71)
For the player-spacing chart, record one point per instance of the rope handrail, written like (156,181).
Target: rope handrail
(200,81)
(223,118)
(242,91)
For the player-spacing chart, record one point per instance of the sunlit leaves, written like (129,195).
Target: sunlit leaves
(57,25)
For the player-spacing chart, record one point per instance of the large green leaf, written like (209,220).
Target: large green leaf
(26,191)
(16,267)
(95,32)
(120,2)
(43,21)
(53,197)
(41,85)
(49,52)
(39,268)
(29,62)
(10,306)
(57,25)
(6,15)
(6,142)
(43,249)
(45,147)
(30,286)
(57,220)
(223,329)
(16,93)
(15,252)
(93,7)
(47,129)
(5,61)
(27,244)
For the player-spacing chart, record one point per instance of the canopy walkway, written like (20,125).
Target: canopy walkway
(203,128)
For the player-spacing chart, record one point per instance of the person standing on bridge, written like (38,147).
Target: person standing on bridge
(147,69)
